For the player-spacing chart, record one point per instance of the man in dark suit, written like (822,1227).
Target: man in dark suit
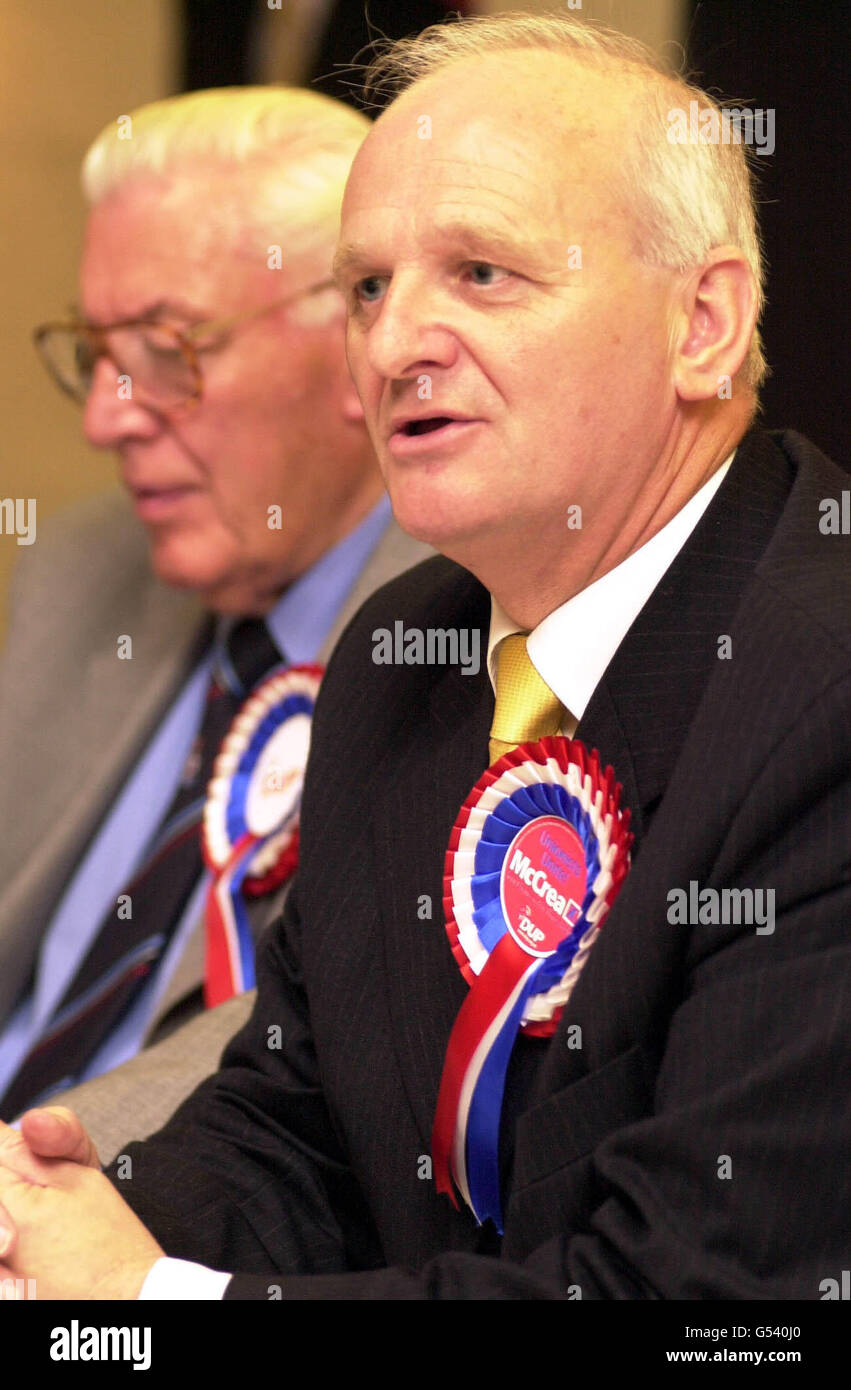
(684,1132)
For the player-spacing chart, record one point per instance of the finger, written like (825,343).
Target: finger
(54,1131)
(17,1160)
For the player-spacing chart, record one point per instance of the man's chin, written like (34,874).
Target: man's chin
(219,590)
(182,566)
(446,528)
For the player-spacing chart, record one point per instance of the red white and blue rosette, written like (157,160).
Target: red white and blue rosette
(250,833)
(535,861)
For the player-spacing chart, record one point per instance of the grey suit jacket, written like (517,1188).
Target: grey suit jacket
(74,717)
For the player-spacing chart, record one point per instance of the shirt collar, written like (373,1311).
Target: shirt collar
(573,645)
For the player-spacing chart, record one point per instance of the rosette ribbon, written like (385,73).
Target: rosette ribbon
(250,834)
(535,861)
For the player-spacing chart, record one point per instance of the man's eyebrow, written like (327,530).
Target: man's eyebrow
(483,243)
(347,258)
(161,308)
(538,255)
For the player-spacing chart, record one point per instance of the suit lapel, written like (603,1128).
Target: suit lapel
(647,699)
(686,719)
(437,756)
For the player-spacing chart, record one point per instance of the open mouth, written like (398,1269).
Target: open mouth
(436,422)
(411,438)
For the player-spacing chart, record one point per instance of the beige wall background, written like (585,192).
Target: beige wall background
(65,71)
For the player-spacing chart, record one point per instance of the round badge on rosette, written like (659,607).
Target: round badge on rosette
(535,861)
(250,834)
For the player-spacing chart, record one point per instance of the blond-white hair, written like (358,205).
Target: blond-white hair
(300,143)
(686,199)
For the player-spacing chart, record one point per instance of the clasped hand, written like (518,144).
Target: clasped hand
(62,1223)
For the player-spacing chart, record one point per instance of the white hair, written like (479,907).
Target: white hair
(300,143)
(686,199)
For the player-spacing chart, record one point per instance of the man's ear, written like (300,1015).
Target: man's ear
(714,324)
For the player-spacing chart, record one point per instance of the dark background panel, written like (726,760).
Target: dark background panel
(794,57)
(219,39)
(218,43)
(348,32)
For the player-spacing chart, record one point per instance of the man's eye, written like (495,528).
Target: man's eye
(483,273)
(160,343)
(370,288)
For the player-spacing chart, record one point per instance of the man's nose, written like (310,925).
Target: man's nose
(112,412)
(411,331)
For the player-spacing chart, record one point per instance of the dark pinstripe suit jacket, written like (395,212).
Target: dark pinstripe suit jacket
(304,1156)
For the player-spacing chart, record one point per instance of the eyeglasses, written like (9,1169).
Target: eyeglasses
(157,358)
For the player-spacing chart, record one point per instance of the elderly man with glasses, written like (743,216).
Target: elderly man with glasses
(208,353)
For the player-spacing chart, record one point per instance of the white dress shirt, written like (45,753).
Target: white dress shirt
(570,649)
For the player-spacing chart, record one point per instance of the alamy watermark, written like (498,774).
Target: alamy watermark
(836,1289)
(13,1290)
(18,518)
(431,646)
(727,125)
(835,518)
(712,907)
(84,1343)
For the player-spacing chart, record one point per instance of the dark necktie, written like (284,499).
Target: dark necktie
(126,950)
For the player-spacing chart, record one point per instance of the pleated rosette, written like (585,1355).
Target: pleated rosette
(250,832)
(535,862)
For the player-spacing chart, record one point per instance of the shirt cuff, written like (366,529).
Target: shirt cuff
(182,1280)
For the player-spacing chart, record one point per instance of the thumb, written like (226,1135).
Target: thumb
(55,1132)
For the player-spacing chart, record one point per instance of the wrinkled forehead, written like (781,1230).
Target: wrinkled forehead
(528,88)
(528,134)
(197,236)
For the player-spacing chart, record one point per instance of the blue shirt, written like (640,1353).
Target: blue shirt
(299,623)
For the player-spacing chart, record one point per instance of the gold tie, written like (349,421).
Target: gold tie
(526,709)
